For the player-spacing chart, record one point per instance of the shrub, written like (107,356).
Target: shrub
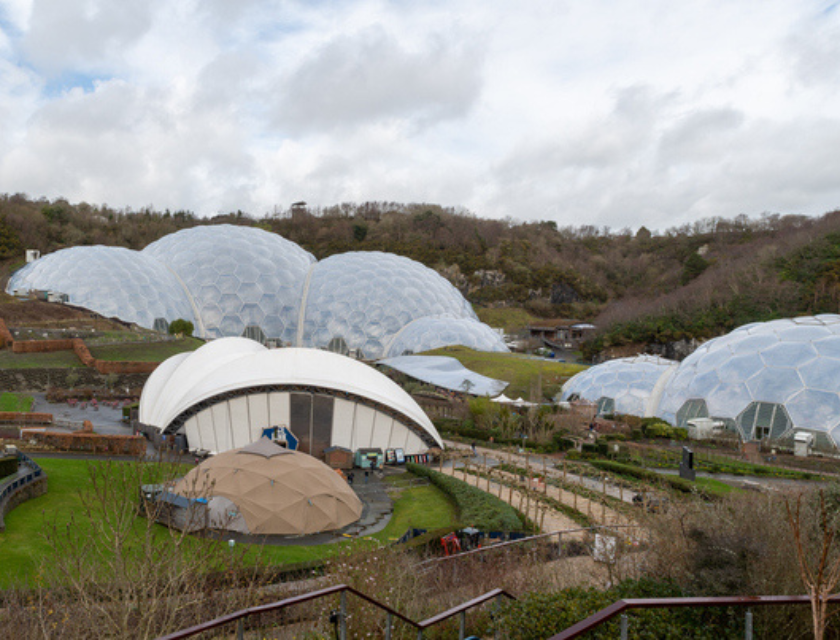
(540,615)
(476,508)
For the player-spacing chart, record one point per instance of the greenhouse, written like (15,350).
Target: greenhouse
(230,392)
(765,380)
(630,386)
(242,281)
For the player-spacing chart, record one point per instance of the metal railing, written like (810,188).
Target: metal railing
(239,617)
(620,607)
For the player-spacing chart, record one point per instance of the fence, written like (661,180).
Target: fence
(240,617)
(621,606)
(10,487)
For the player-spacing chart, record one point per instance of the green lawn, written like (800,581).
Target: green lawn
(15,402)
(519,370)
(52,360)
(23,544)
(511,319)
(144,352)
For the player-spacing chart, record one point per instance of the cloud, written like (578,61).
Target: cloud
(369,76)
(604,112)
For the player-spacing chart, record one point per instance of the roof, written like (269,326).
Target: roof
(237,364)
(446,372)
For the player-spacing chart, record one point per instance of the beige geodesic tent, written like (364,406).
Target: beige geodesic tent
(265,489)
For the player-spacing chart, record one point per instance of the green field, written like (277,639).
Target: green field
(511,319)
(144,351)
(15,402)
(53,360)
(519,370)
(24,546)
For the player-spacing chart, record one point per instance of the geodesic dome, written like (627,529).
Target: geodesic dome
(242,281)
(237,277)
(365,298)
(111,281)
(764,380)
(434,332)
(629,386)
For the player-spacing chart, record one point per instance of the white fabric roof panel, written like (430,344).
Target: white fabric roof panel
(446,372)
(231,364)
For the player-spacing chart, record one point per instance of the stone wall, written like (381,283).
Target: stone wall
(37,487)
(45,379)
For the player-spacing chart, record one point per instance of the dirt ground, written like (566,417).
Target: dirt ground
(36,313)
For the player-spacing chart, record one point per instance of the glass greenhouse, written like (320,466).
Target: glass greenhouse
(233,281)
(112,281)
(764,379)
(630,386)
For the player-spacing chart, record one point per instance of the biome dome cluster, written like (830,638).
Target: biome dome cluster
(232,281)
(762,380)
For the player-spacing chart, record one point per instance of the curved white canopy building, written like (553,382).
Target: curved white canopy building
(225,394)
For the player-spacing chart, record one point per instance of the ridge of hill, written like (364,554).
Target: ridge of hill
(642,287)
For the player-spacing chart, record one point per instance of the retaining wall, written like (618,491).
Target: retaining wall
(48,378)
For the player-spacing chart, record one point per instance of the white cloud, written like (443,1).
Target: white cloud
(613,113)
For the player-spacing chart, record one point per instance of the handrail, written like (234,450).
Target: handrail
(314,595)
(664,603)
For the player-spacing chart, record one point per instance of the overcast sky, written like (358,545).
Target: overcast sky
(604,112)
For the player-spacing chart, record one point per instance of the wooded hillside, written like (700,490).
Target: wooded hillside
(698,280)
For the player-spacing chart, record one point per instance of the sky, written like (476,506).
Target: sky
(616,113)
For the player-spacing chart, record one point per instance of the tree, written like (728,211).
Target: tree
(817,552)
(181,327)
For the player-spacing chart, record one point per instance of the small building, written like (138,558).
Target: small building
(369,458)
(338,457)
(704,428)
(561,333)
(803,443)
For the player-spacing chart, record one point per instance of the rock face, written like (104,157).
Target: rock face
(490,278)
(675,350)
(562,293)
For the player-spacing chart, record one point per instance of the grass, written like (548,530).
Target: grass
(512,319)
(52,360)
(15,402)
(144,352)
(522,372)
(23,545)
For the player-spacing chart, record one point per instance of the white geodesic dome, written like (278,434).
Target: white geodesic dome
(764,379)
(237,277)
(111,281)
(364,298)
(434,332)
(629,386)
(234,281)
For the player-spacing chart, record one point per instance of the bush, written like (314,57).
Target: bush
(561,442)
(476,508)
(540,615)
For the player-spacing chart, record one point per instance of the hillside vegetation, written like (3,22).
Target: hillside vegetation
(639,287)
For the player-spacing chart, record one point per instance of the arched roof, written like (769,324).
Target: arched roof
(234,280)
(235,364)
(792,362)
(632,383)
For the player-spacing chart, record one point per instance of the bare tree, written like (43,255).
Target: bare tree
(817,553)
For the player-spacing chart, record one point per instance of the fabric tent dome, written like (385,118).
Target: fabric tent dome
(275,491)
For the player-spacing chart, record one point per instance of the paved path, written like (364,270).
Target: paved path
(549,519)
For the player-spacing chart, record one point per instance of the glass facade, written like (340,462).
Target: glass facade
(768,378)
(112,281)
(630,383)
(232,280)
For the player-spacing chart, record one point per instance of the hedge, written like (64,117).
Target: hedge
(539,615)
(677,483)
(476,507)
